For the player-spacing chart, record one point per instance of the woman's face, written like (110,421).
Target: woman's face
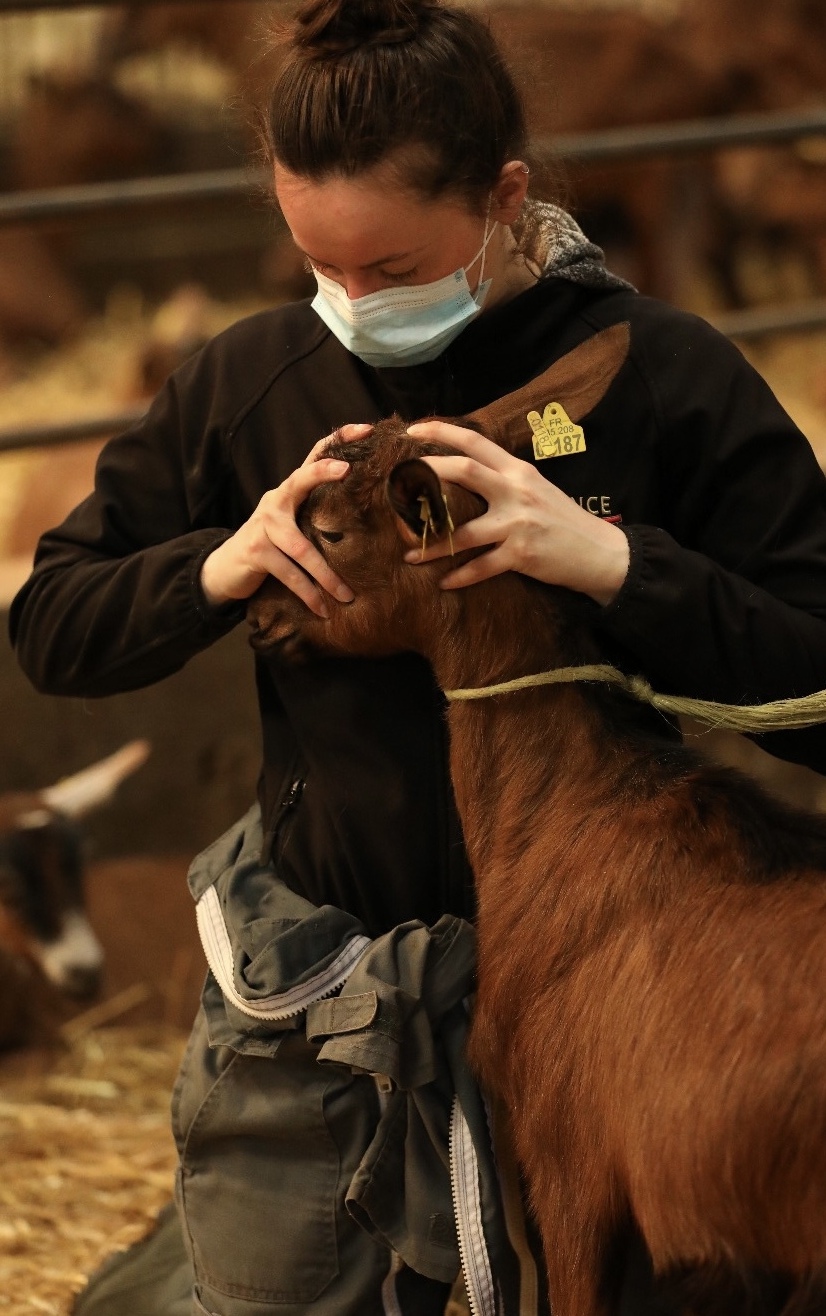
(369,232)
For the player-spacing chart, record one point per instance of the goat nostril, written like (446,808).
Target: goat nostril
(82,982)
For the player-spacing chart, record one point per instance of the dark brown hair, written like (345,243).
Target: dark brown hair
(361,80)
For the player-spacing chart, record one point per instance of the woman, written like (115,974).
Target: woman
(692,520)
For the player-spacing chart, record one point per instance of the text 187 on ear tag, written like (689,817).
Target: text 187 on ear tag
(554,434)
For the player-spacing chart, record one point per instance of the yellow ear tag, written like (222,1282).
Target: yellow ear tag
(554,433)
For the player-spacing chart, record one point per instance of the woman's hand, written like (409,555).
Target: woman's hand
(271,544)
(531,525)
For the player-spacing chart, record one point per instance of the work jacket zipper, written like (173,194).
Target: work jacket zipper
(279,815)
(467,1207)
(285,810)
(217,945)
(279,1006)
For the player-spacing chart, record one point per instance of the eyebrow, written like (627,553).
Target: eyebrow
(374,264)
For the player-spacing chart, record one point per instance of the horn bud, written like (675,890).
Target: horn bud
(86,790)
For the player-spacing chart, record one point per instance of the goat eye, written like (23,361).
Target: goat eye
(331,536)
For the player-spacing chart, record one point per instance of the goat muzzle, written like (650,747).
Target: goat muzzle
(273,631)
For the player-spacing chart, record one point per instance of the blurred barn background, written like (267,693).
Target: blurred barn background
(135,223)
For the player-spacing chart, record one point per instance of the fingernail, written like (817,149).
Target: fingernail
(344,595)
(322,611)
(412,429)
(336,466)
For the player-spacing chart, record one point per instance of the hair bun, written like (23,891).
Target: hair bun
(336,27)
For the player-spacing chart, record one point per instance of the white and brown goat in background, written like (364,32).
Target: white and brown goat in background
(42,909)
(651,1008)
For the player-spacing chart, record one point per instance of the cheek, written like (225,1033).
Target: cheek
(357,630)
(378,622)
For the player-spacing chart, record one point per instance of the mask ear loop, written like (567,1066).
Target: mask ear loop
(484,247)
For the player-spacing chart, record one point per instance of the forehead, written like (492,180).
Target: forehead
(356,222)
(371,460)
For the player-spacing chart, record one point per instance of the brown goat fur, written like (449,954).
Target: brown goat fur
(652,930)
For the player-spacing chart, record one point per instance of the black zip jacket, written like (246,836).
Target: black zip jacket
(720,494)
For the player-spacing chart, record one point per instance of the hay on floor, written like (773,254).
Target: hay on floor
(87,1158)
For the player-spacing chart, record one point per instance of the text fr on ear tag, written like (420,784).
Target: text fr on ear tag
(554,433)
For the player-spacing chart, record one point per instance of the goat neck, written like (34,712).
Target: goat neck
(536,753)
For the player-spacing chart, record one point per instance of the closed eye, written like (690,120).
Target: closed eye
(331,536)
(400,276)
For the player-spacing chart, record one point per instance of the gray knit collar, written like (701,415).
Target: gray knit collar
(568,253)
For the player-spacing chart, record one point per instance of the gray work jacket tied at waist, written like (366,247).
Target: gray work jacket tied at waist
(392,1006)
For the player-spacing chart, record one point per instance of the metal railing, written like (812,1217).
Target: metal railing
(696,135)
(693,135)
(43,205)
(32,6)
(72,431)
(751,323)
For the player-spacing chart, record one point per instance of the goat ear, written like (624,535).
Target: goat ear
(415,494)
(577,380)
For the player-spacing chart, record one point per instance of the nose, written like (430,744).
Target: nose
(81,981)
(361,285)
(74,961)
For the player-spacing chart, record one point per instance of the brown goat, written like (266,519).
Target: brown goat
(652,929)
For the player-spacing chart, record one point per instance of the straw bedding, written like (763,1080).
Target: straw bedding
(87,1157)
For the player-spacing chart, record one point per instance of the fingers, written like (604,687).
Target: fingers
(347,432)
(270,542)
(297,562)
(492,563)
(468,441)
(290,574)
(305,477)
(307,570)
(284,552)
(356,431)
(483,530)
(469,472)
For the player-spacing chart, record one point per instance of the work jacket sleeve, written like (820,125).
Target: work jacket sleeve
(271,953)
(371,1003)
(726,598)
(114,601)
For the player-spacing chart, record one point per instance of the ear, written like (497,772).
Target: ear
(415,494)
(509,192)
(578,380)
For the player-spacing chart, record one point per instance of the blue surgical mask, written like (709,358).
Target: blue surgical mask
(403,326)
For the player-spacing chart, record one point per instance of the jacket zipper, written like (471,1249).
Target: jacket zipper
(288,803)
(217,945)
(285,809)
(467,1206)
